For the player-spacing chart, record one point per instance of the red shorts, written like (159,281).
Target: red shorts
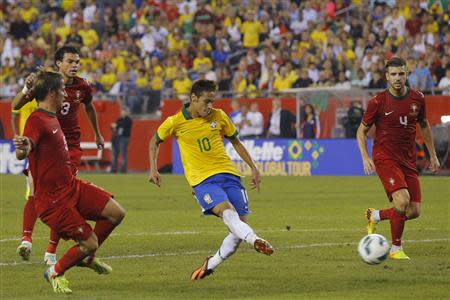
(395,177)
(75,159)
(70,222)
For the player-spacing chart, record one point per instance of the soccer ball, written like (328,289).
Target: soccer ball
(373,249)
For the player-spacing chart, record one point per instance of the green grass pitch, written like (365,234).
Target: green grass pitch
(164,238)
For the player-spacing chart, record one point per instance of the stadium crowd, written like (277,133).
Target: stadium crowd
(139,48)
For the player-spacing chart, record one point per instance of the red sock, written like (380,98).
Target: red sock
(69,259)
(102,230)
(386,213)
(397,224)
(29,219)
(53,242)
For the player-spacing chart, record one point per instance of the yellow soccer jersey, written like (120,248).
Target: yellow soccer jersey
(200,140)
(24,112)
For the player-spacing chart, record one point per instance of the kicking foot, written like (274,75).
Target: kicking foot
(398,254)
(371,224)
(50,258)
(59,283)
(97,265)
(203,271)
(263,246)
(24,250)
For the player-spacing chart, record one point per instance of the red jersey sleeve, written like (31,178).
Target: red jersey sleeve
(33,129)
(88,92)
(371,113)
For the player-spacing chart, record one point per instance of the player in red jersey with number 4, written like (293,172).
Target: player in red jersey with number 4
(78,90)
(395,113)
(63,202)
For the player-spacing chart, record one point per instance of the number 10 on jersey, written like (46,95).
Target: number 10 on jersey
(204,144)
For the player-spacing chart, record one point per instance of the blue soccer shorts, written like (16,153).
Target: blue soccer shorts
(219,188)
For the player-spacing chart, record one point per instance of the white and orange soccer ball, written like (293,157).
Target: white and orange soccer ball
(373,249)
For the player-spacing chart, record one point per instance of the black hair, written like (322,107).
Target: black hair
(59,54)
(203,85)
(46,82)
(395,62)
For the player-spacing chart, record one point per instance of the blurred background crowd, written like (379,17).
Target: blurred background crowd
(144,50)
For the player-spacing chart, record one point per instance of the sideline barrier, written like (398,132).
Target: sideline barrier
(294,157)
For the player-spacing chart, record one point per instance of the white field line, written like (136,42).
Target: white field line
(188,232)
(198,252)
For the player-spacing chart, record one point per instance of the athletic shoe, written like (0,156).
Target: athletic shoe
(263,246)
(371,224)
(398,254)
(50,258)
(24,250)
(97,265)
(203,271)
(59,283)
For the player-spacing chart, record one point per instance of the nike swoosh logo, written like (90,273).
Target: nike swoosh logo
(55,130)
(388,113)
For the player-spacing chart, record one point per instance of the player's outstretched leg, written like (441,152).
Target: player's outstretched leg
(55,274)
(50,255)
(371,222)
(29,220)
(228,247)
(244,232)
(113,214)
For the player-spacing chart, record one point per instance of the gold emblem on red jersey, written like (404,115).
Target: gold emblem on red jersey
(77,96)
(415,110)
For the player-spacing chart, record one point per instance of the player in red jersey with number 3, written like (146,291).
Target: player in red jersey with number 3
(63,202)
(78,90)
(395,113)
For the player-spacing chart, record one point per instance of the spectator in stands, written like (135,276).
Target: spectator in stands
(243,122)
(235,110)
(424,77)
(377,81)
(361,80)
(281,122)
(444,83)
(303,80)
(256,120)
(182,85)
(413,79)
(74,38)
(120,140)
(251,29)
(310,127)
(353,120)
(9,89)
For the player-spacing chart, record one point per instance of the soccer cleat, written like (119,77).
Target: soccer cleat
(24,250)
(371,224)
(59,283)
(203,271)
(50,258)
(398,254)
(263,246)
(97,265)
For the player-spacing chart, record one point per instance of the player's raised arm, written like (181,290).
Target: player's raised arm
(23,97)
(23,146)
(153,153)
(243,153)
(361,137)
(428,138)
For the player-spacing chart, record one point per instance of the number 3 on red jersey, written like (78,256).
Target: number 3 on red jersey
(65,108)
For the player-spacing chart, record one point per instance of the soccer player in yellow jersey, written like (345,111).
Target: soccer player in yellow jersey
(199,129)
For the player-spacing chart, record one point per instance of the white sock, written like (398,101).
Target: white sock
(395,248)
(376,215)
(228,247)
(239,228)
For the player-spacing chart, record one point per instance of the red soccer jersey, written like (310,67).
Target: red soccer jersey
(395,120)
(49,162)
(79,92)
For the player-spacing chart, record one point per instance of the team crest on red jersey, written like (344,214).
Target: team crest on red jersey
(415,110)
(77,96)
